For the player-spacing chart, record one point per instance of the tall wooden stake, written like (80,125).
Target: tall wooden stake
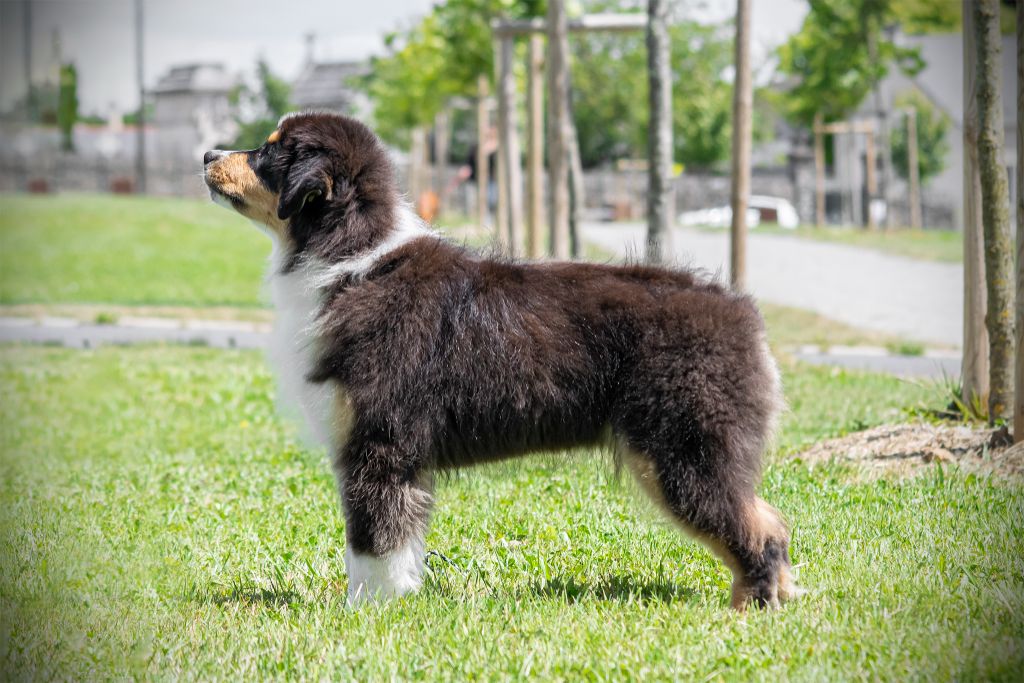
(512,176)
(974,369)
(1018,411)
(659,166)
(441,142)
(742,108)
(482,170)
(995,209)
(535,151)
(870,163)
(913,170)
(819,172)
(558,126)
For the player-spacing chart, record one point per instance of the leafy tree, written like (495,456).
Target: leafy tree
(439,58)
(262,108)
(932,144)
(67,105)
(840,52)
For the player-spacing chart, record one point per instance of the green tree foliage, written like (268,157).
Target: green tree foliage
(442,56)
(831,57)
(263,107)
(67,105)
(439,58)
(932,144)
(609,81)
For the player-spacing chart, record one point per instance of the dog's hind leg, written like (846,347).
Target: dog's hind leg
(746,533)
(387,504)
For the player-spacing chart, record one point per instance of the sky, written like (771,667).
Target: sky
(98,36)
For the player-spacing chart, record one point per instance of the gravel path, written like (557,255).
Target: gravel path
(915,299)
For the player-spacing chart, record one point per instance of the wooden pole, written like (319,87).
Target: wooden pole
(482,133)
(871,178)
(819,172)
(535,151)
(558,125)
(508,141)
(995,209)
(742,108)
(659,165)
(974,369)
(140,122)
(913,171)
(576,194)
(441,143)
(1018,411)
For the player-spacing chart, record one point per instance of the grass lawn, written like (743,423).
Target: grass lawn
(928,245)
(159,521)
(101,257)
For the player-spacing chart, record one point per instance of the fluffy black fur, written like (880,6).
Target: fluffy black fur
(446,359)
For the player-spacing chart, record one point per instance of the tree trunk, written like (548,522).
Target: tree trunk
(659,167)
(558,126)
(1018,412)
(535,150)
(913,170)
(974,371)
(819,172)
(577,195)
(995,209)
(441,145)
(510,173)
(742,113)
(482,170)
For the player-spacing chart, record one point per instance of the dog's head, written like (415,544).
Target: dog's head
(319,181)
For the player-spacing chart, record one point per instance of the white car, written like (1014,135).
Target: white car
(761,209)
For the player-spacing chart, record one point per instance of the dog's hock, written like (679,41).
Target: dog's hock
(372,578)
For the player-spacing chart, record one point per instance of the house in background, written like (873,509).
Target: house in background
(941,82)
(329,85)
(192,110)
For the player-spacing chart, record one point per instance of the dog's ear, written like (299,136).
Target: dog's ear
(307,180)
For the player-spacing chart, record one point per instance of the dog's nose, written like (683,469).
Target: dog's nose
(212,156)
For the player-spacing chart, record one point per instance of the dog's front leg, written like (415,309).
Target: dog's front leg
(386,513)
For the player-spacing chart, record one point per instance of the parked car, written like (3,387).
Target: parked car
(760,209)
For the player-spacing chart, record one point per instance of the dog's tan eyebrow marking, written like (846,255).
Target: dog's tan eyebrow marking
(275,136)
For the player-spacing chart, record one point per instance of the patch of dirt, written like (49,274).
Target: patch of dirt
(910,449)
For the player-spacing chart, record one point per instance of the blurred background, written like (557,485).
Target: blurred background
(857,125)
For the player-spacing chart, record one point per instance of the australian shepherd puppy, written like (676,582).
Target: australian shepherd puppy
(410,355)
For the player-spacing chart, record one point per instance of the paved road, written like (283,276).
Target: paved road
(914,299)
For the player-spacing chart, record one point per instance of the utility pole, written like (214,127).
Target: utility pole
(974,370)
(30,94)
(659,154)
(742,106)
(140,124)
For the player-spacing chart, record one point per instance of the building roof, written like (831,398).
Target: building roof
(327,85)
(210,78)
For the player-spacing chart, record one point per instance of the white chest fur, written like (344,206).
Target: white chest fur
(293,346)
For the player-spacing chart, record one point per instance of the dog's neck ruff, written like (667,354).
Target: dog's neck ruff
(408,227)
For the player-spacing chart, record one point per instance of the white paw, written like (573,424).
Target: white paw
(372,578)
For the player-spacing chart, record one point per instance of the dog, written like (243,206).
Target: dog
(411,355)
